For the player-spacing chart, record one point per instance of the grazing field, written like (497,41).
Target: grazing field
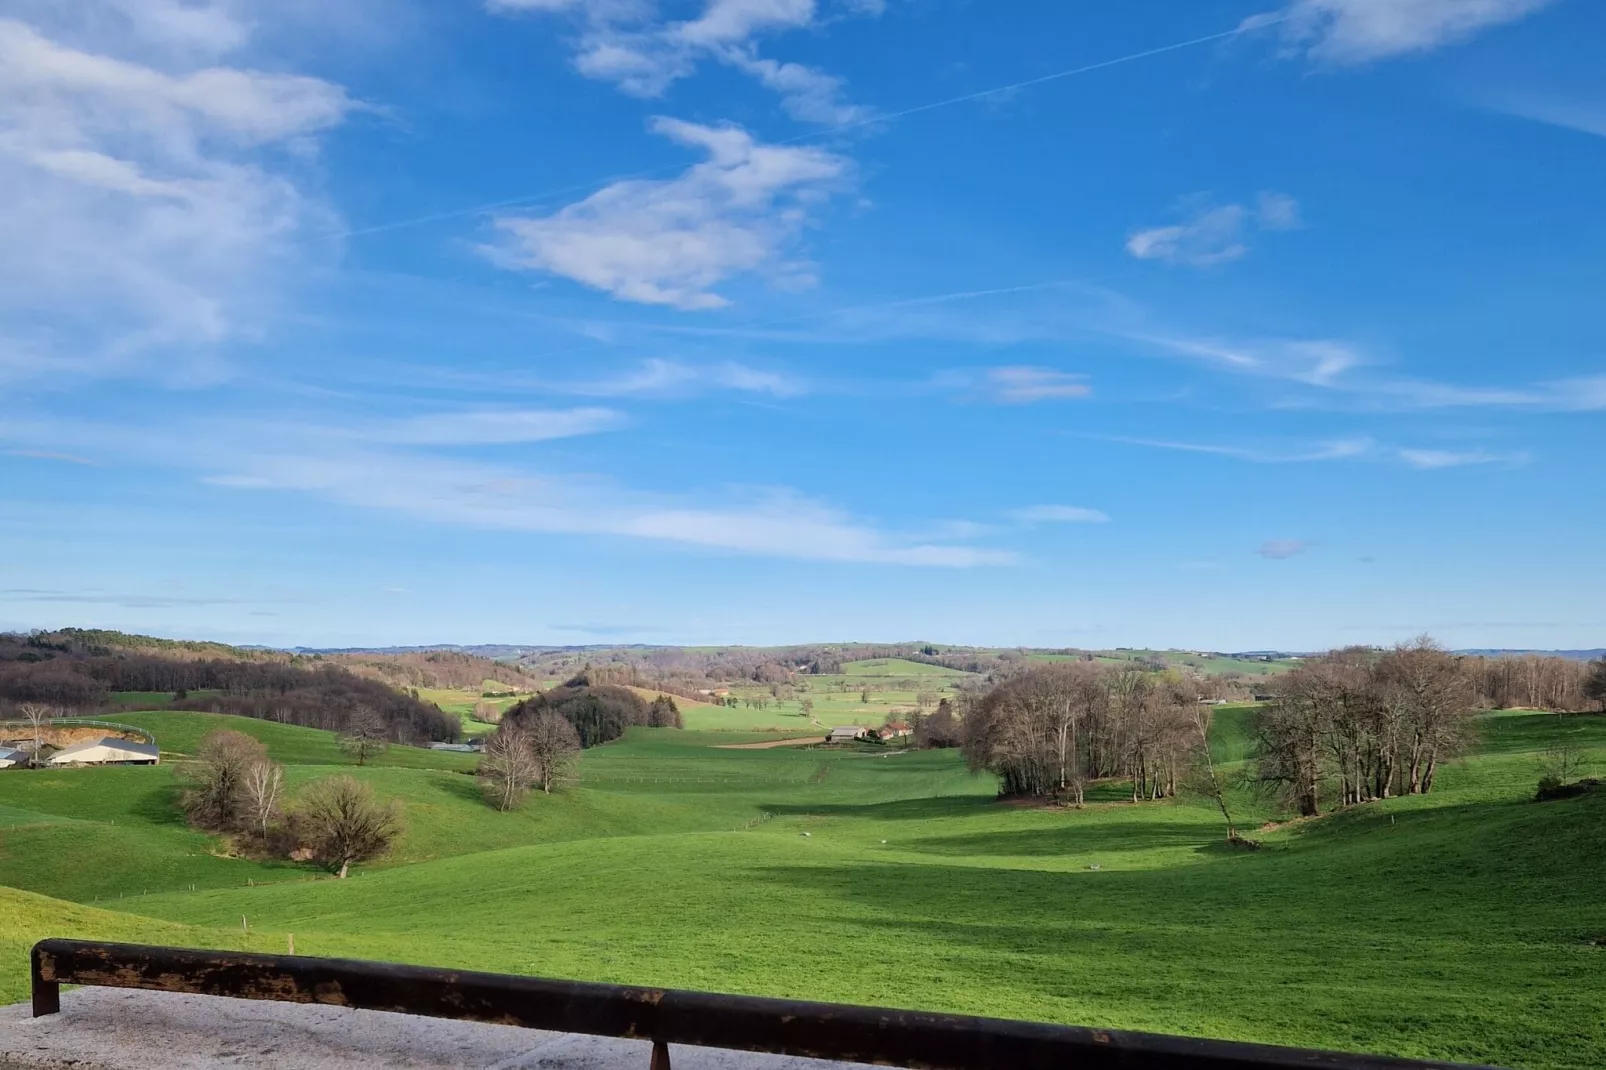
(1468,924)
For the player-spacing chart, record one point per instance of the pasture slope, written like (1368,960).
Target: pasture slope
(1468,925)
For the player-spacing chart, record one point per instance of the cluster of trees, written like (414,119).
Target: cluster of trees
(599,712)
(943,728)
(536,750)
(1050,730)
(1360,724)
(233,787)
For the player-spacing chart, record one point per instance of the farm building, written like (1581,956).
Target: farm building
(108,750)
(896,730)
(845,734)
(10,757)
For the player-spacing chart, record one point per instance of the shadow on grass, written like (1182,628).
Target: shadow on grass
(926,809)
(161,806)
(1073,837)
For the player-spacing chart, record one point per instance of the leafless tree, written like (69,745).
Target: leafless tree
(366,734)
(555,745)
(38,716)
(263,789)
(1201,718)
(1563,761)
(217,796)
(486,712)
(1595,684)
(345,823)
(509,767)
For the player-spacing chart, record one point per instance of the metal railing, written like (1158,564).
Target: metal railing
(663,1016)
(78,722)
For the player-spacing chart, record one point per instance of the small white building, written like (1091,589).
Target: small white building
(109,750)
(10,757)
(845,734)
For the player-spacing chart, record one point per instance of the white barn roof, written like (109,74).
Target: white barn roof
(106,751)
(10,757)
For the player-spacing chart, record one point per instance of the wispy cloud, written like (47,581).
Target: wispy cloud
(1584,116)
(1346,32)
(670,242)
(1430,459)
(493,427)
(47,455)
(1214,234)
(138,208)
(629,43)
(123,600)
(1334,450)
(669,378)
(1282,549)
(353,468)
(1058,514)
(1023,385)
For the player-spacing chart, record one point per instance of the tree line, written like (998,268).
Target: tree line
(73,675)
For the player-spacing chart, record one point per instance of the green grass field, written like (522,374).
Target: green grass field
(1469,924)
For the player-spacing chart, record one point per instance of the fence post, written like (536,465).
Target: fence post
(46,994)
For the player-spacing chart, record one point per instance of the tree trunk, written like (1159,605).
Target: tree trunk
(344,866)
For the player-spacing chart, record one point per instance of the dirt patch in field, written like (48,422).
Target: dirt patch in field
(769,743)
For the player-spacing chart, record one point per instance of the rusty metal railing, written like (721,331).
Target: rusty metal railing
(663,1016)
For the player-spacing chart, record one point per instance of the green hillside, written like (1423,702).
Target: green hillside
(1465,925)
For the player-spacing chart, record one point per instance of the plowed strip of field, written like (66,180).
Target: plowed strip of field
(768,743)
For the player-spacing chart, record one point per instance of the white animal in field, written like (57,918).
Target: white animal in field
(805,834)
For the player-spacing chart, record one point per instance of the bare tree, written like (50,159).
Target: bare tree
(38,716)
(366,734)
(345,823)
(486,712)
(1202,716)
(217,796)
(1563,761)
(1595,683)
(263,789)
(555,745)
(509,767)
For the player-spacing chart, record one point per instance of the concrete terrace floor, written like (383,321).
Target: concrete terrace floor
(116,1029)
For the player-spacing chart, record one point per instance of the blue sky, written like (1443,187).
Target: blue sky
(1202,323)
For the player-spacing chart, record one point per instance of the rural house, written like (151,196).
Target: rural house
(896,730)
(108,750)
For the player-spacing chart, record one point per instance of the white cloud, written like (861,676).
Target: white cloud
(668,378)
(1214,234)
(1429,459)
(1282,549)
(1342,449)
(669,242)
(1058,514)
(358,468)
(1584,116)
(629,43)
(1343,32)
(145,208)
(495,427)
(1021,385)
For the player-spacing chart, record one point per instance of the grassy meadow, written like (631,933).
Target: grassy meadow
(1469,924)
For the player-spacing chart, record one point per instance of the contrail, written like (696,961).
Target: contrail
(1072,72)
